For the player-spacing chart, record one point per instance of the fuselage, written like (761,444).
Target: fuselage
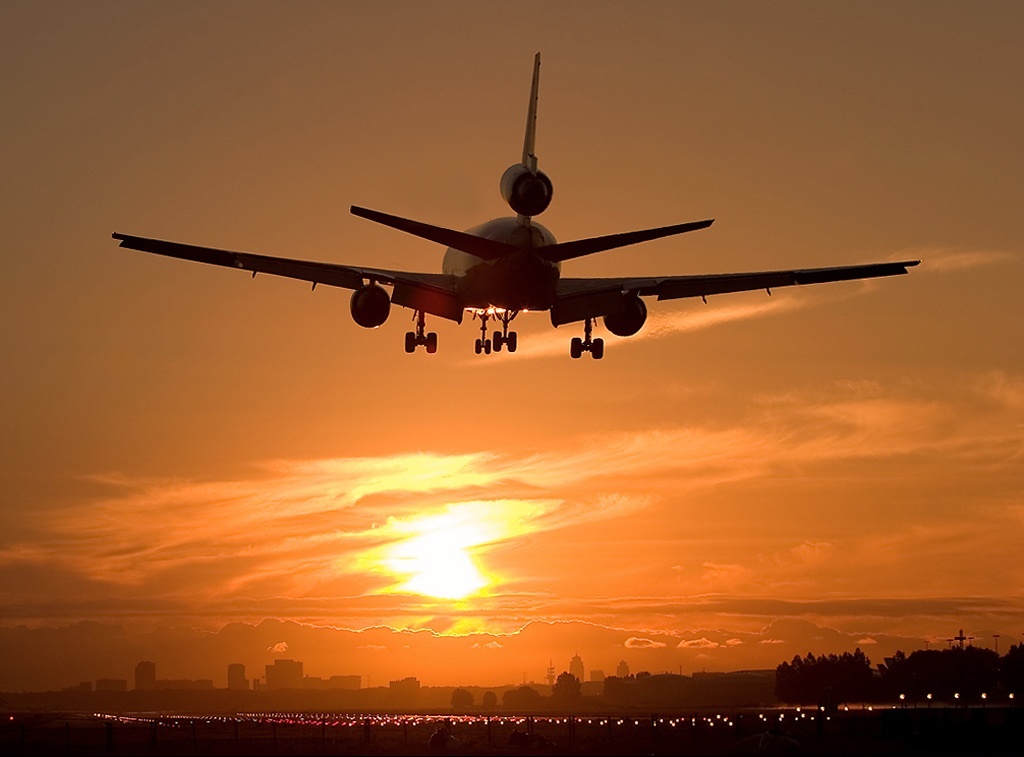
(522,280)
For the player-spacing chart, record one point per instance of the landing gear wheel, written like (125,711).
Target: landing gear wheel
(479,346)
(487,346)
(594,346)
(511,341)
(414,339)
(499,340)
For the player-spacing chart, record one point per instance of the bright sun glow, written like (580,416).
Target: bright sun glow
(439,565)
(436,554)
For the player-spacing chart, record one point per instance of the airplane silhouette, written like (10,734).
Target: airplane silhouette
(511,265)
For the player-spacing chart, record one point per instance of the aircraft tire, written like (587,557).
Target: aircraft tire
(512,341)
(597,349)
(410,342)
(431,343)
(575,348)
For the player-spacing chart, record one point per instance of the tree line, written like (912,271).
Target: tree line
(967,674)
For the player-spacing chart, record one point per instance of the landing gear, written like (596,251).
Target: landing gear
(504,338)
(594,346)
(414,339)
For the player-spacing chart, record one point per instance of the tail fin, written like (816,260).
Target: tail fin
(529,156)
(525,188)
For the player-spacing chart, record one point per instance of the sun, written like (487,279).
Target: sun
(438,561)
(437,553)
(438,565)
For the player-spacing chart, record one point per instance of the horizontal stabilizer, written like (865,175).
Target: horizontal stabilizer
(487,249)
(556,253)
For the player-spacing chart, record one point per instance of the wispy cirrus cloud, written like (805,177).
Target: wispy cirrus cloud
(314,536)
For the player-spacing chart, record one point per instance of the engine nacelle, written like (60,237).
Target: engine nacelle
(630,319)
(370,306)
(526,193)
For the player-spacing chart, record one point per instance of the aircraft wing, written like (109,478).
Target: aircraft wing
(433,293)
(578,299)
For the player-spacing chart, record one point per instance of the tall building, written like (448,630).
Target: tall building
(145,676)
(597,675)
(623,670)
(236,677)
(576,667)
(284,674)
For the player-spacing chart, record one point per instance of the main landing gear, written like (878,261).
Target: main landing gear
(414,339)
(594,346)
(503,338)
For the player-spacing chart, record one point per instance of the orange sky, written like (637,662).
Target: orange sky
(186,446)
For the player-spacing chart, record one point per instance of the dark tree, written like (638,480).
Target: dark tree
(490,700)
(462,700)
(826,680)
(1011,671)
(567,688)
(619,690)
(967,671)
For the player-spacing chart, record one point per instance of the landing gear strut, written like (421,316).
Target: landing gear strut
(594,346)
(506,338)
(414,339)
(503,338)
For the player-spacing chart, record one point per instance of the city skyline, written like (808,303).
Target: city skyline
(190,453)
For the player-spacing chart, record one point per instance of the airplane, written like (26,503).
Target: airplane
(511,265)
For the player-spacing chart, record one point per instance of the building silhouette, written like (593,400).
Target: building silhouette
(597,676)
(145,676)
(404,692)
(345,683)
(236,677)
(576,667)
(284,674)
(622,671)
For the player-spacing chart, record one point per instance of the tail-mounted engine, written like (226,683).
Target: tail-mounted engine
(370,306)
(630,319)
(528,194)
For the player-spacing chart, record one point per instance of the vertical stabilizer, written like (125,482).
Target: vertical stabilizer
(529,156)
(525,188)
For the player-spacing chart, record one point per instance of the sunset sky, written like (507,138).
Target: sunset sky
(829,467)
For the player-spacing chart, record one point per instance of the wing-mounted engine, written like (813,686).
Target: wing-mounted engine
(370,306)
(630,319)
(526,192)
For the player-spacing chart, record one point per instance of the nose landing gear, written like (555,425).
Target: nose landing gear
(594,346)
(414,339)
